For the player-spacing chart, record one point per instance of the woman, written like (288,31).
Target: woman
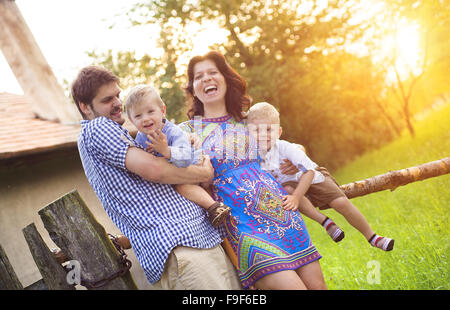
(273,247)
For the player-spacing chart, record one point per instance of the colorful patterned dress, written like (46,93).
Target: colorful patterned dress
(264,237)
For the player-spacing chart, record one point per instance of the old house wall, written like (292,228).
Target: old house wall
(28,185)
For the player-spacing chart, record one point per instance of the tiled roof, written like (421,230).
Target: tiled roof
(21,133)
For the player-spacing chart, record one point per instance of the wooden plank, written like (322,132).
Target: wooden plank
(8,278)
(78,234)
(52,272)
(30,67)
(37,286)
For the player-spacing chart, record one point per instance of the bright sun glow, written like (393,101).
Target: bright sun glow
(209,34)
(408,45)
(203,38)
(405,45)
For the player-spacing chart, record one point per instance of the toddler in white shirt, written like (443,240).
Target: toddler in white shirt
(311,185)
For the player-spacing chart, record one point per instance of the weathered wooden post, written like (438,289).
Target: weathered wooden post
(75,230)
(53,274)
(31,68)
(8,278)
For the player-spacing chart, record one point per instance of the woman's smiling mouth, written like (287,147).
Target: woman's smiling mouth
(210,89)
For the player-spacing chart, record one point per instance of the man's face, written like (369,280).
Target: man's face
(106,103)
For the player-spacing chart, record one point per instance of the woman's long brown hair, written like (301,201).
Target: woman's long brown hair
(236,99)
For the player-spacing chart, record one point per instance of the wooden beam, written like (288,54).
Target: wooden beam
(8,278)
(52,272)
(31,68)
(393,179)
(77,233)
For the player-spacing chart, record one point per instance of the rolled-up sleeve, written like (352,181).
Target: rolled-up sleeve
(181,152)
(109,143)
(296,155)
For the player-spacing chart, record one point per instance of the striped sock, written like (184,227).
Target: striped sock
(386,244)
(333,230)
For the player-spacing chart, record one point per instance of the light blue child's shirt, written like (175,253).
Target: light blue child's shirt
(182,154)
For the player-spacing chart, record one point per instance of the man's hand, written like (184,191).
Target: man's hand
(290,203)
(288,167)
(159,143)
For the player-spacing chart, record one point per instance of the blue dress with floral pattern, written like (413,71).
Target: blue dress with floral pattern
(264,237)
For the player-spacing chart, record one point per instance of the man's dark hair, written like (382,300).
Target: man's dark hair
(89,80)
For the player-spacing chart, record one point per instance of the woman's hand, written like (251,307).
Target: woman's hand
(195,140)
(288,167)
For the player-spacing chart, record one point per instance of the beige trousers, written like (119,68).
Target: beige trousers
(198,269)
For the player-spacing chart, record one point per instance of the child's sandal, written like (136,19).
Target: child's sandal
(383,243)
(334,231)
(217,213)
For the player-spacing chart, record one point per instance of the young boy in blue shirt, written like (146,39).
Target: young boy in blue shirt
(157,135)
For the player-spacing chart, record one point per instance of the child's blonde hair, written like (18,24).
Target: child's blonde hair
(263,110)
(138,92)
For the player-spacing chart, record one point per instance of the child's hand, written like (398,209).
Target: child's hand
(150,148)
(159,143)
(290,203)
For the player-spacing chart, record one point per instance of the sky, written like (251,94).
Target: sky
(65,30)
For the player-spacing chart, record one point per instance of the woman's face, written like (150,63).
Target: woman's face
(209,83)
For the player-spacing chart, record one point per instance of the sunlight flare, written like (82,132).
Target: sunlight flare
(405,46)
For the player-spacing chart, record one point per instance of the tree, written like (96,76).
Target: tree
(296,56)
(288,52)
(433,21)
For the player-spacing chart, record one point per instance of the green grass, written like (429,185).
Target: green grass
(415,215)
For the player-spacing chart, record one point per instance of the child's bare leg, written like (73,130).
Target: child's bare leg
(351,213)
(195,193)
(289,189)
(217,211)
(306,207)
(353,216)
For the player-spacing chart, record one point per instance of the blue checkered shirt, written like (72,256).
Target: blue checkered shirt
(153,216)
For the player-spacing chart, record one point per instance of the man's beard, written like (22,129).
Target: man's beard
(120,121)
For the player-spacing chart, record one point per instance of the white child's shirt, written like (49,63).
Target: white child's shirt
(285,150)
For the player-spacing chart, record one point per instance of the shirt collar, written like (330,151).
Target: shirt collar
(270,155)
(165,126)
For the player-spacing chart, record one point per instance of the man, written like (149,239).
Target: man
(171,236)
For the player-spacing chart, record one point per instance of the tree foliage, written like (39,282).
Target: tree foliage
(294,55)
(145,70)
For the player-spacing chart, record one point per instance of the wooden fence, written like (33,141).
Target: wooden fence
(87,255)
